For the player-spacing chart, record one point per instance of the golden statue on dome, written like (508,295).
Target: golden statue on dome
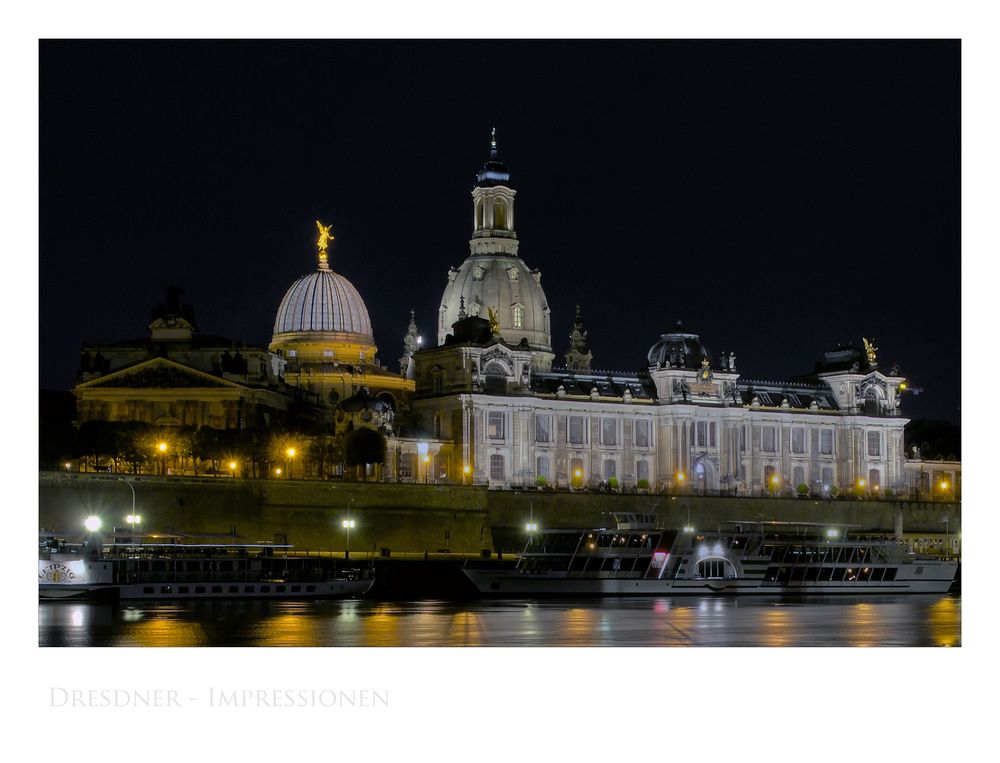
(494,321)
(325,236)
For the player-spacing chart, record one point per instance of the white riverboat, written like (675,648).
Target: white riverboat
(739,558)
(191,571)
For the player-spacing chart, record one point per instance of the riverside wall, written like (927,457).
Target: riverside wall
(415,518)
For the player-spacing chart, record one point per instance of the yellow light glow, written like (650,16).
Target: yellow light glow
(232,465)
(290,452)
(162,447)
(466,468)
(578,473)
(92,523)
(278,471)
(680,476)
(944,485)
(902,386)
(861,483)
(775,479)
(427,459)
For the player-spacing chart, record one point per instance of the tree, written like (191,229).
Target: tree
(364,446)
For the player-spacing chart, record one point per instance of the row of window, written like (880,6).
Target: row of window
(825,476)
(543,468)
(168,590)
(576,429)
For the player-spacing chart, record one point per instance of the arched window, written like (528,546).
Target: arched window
(874,478)
(496,466)
(542,467)
(518,312)
(479,214)
(500,214)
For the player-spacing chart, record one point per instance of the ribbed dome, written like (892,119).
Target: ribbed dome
(505,283)
(323,301)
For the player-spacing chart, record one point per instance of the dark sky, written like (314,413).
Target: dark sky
(779,197)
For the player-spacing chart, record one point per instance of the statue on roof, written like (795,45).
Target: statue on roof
(325,236)
(494,321)
(870,349)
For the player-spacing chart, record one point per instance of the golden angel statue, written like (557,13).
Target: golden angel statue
(494,321)
(870,349)
(325,236)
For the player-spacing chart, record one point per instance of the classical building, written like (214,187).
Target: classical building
(688,420)
(178,376)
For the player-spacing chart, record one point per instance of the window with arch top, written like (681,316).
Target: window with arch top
(500,214)
(517,310)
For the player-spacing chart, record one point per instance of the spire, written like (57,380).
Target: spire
(411,343)
(579,356)
(461,308)
(493,172)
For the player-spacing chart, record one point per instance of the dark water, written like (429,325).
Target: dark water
(932,620)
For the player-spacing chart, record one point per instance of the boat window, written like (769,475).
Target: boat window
(265,589)
(310,588)
(234,589)
(199,589)
(183,589)
(866,574)
(812,574)
(296,589)
(216,589)
(279,589)
(798,574)
(166,589)
(148,589)
(839,573)
(159,566)
(193,566)
(226,566)
(248,589)
(771,575)
(579,563)
(890,574)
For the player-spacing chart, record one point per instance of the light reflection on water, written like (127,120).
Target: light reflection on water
(930,620)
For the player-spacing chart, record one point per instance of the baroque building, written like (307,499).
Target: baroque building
(687,420)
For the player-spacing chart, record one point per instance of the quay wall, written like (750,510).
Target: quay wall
(415,518)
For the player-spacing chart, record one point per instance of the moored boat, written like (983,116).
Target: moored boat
(191,571)
(638,558)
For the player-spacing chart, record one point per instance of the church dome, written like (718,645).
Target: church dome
(323,301)
(502,282)
(678,349)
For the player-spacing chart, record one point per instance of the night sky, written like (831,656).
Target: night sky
(779,197)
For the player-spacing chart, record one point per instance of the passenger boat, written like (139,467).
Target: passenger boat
(191,571)
(739,558)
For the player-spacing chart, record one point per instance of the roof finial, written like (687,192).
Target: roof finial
(493,143)
(325,237)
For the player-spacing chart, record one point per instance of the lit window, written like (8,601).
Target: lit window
(495,425)
(518,312)
(292,353)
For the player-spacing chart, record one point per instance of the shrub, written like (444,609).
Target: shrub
(540,481)
(642,484)
(834,491)
(613,483)
(802,489)
(888,492)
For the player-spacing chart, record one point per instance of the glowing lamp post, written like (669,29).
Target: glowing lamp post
(680,481)
(92,523)
(348,524)
(133,520)
(290,453)
(465,473)
(232,468)
(162,447)
(531,527)
(277,472)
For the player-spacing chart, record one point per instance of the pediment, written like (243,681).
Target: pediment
(159,373)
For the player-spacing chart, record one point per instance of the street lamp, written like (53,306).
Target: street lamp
(775,484)
(162,448)
(92,523)
(347,524)
(133,520)
(531,527)
(132,488)
(232,468)
(290,452)
(465,473)
(277,471)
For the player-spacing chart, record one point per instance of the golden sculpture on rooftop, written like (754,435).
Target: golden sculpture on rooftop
(870,349)
(325,236)
(494,321)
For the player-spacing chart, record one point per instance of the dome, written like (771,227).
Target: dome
(323,301)
(503,282)
(678,349)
